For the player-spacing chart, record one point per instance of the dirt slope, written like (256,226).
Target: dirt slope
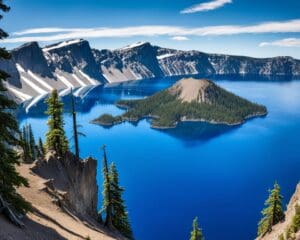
(49,221)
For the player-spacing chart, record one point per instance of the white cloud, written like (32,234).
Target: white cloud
(180,38)
(47,30)
(291,26)
(206,6)
(287,42)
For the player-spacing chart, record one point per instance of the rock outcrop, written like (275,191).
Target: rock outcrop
(74,182)
(281,228)
(53,215)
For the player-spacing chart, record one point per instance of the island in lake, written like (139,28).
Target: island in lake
(187,100)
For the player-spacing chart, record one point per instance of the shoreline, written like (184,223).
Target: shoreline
(183,119)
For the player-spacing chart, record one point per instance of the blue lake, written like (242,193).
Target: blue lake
(220,174)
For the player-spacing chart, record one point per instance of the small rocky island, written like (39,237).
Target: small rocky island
(187,100)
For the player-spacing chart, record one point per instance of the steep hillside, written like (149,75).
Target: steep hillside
(35,71)
(134,62)
(63,194)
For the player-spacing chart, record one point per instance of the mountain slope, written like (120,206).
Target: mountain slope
(187,100)
(134,62)
(194,62)
(35,71)
(73,64)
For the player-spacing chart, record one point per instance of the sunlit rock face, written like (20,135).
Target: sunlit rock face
(74,64)
(74,180)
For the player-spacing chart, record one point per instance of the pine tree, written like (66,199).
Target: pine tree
(9,130)
(196,233)
(41,149)
(120,216)
(272,213)
(56,138)
(31,143)
(24,144)
(107,201)
(75,132)
(28,144)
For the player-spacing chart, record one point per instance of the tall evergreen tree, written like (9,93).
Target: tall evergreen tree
(32,145)
(120,215)
(56,138)
(41,149)
(196,233)
(114,207)
(272,213)
(9,130)
(107,198)
(75,132)
(24,144)
(28,144)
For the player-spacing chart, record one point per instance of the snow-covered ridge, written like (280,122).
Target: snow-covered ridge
(134,45)
(36,71)
(62,44)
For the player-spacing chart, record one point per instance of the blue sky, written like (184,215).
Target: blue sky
(260,28)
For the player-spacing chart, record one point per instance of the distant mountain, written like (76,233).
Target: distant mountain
(134,62)
(35,71)
(187,100)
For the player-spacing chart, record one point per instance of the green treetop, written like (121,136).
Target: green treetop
(272,213)
(120,215)
(196,233)
(56,138)
(9,130)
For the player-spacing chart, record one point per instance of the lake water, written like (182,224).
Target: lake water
(220,174)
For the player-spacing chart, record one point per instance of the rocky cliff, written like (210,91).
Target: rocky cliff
(63,195)
(73,64)
(73,180)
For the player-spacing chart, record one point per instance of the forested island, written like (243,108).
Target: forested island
(187,100)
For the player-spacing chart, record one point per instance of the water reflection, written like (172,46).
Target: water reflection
(194,132)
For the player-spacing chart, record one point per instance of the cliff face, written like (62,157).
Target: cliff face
(30,57)
(63,202)
(73,64)
(73,181)
(281,228)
